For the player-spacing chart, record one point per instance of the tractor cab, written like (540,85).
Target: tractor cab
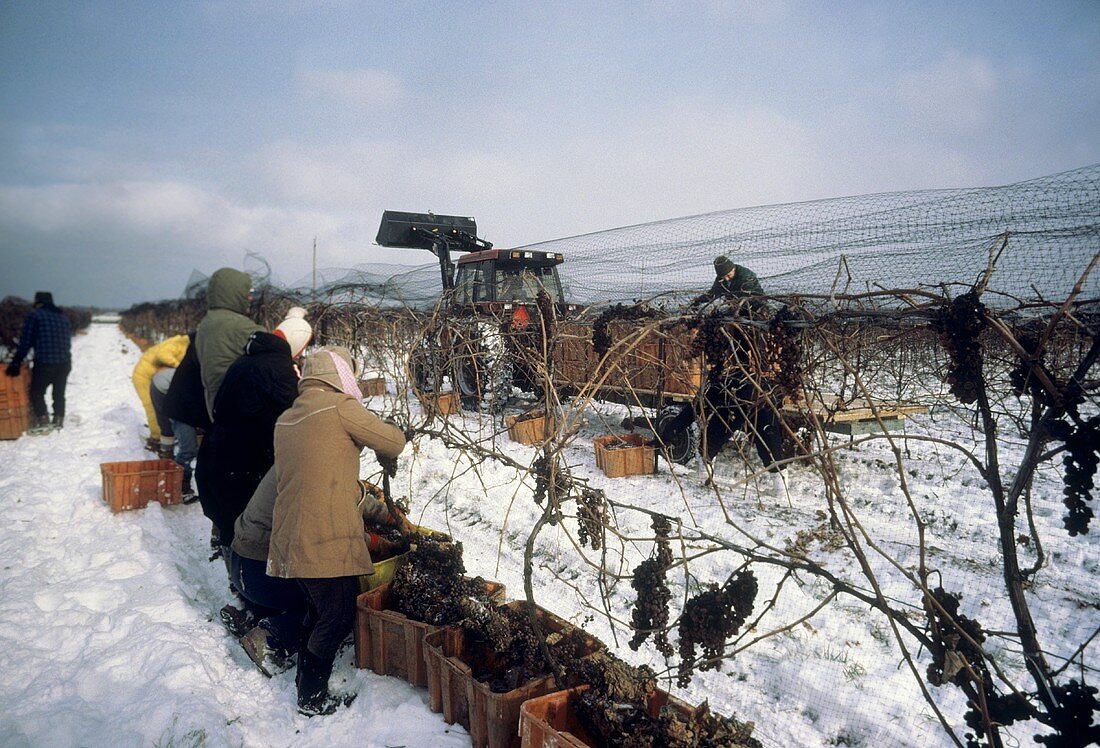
(502,277)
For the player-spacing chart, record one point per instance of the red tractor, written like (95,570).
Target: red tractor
(490,305)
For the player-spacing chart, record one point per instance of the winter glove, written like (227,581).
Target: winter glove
(13,369)
(379,546)
(389,465)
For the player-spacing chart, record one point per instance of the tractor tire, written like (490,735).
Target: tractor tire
(682,446)
(425,367)
(483,370)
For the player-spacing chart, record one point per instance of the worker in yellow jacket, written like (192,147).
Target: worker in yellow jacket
(164,355)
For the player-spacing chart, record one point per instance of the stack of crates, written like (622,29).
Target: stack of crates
(15,408)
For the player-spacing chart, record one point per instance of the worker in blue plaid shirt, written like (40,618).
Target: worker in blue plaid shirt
(48,332)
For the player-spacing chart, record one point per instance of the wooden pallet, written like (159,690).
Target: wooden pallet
(855,416)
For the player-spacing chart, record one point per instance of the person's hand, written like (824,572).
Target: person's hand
(389,465)
(380,547)
(13,369)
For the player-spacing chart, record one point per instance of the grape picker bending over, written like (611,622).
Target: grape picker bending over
(731,281)
(732,400)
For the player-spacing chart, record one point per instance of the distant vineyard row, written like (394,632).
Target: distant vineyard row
(14,310)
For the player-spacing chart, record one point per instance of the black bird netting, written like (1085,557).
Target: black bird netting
(1040,233)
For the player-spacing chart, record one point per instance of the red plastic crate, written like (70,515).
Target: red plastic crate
(132,485)
(550,721)
(492,718)
(390,643)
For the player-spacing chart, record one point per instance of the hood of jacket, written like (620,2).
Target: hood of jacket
(228,289)
(266,343)
(319,367)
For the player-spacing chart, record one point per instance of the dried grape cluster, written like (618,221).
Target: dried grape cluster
(712,340)
(514,654)
(1073,719)
(620,710)
(650,614)
(784,355)
(551,475)
(601,337)
(959,324)
(591,517)
(951,650)
(1082,454)
(432,587)
(1022,378)
(710,618)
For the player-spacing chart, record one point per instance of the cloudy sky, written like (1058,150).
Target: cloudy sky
(141,141)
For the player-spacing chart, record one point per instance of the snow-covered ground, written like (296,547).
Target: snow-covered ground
(109,633)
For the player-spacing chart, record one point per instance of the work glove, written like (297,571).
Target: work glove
(389,465)
(13,369)
(379,546)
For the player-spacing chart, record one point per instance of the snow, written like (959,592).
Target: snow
(108,622)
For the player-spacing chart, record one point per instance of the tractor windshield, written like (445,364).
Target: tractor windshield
(522,284)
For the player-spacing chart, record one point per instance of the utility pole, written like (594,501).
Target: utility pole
(314,294)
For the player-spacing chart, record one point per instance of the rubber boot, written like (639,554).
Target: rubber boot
(312,681)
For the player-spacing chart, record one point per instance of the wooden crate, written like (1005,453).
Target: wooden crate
(391,643)
(533,429)
(443,403)
(550,721)
(132,485)
(620,455)
(373,386)
(14,390)
(14,420)
(492,718)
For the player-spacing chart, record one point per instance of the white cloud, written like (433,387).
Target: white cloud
(148,236)
(954,94)
(359,88)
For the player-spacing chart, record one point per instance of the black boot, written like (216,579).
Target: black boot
(187,493)
(58,421)
(40,427)
(312,681)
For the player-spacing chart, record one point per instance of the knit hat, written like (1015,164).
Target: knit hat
(295,330)
(722,266)
(43,297)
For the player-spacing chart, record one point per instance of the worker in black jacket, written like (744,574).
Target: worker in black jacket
(185,404)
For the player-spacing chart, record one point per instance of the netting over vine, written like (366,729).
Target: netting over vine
(1040,232)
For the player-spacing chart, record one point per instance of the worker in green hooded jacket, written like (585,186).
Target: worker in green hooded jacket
(223,332)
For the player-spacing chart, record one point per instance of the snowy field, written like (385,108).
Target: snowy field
(109,632)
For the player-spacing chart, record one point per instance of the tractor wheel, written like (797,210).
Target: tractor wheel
(683,445)
(425,367)
(483,370)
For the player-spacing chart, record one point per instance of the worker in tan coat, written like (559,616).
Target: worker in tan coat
(317,533)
